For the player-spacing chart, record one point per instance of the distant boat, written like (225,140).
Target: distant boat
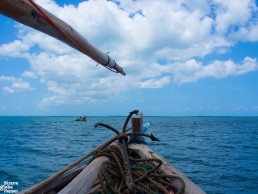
(84,118)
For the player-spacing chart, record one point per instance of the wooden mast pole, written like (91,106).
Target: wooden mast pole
(31,14)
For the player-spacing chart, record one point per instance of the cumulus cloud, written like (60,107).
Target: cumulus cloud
(249,33)
(17,83)
(192,70)
(17,87)
(229,13)
(157,42)
(155,83)
(7,90)
(29,74)
(17,48)
(7,78)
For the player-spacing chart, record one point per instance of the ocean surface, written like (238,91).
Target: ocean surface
(220,154)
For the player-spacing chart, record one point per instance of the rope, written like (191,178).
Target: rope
(146,177)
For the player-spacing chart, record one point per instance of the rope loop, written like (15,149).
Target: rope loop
(147,178)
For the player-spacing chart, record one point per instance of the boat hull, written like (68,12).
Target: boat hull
(82,179)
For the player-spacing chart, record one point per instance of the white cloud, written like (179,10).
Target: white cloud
(138,34)
(29,74)
(192,70)
(17,48)
(53,100)
(230,13)
(17,83)
(21,86)
(7,78)
(155,83)
(249,33)
(7,90)
(17,86)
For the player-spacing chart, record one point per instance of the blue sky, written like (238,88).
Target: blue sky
(181,59)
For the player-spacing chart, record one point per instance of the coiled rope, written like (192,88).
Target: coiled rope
(146,177)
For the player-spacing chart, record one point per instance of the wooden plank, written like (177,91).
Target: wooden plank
(146,152)
(61,181)
(85,180)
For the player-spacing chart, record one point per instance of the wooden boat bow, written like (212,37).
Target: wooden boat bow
(108,169)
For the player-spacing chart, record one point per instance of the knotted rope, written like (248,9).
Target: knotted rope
(145,174)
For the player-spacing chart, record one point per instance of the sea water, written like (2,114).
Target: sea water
(220,154)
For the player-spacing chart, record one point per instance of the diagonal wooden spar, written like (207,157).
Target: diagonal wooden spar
(29,13)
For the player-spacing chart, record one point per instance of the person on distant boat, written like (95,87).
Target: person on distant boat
(84,118)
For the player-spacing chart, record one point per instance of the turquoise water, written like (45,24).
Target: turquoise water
(218,153)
